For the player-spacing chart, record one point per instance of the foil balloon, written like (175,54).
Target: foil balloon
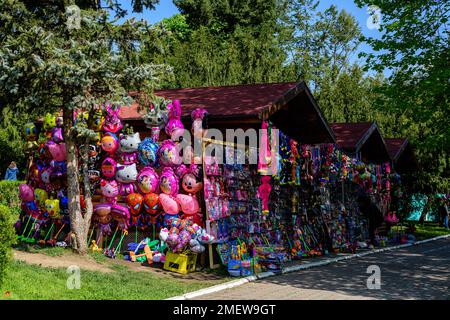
(129,145)
(174,122)
(57,135)
(122,215)
(147,180)
(26,192)
(168,182)
(98,120)
(52,208)
(148,152)
(102,211)
(112,121)
(152,204)
(189,204)
(109,189)
(109,166)
(58,151)
(192,182)
(169,204)
(168,154)
(109,142)
(30,131)
(199,117)
(134,202)
(40,196)
(49,122)
(156,117)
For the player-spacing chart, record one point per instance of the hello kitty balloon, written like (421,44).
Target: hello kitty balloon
(168,182)
(148,180)
(109,189)
(129,145)
(168,154)
(126,175)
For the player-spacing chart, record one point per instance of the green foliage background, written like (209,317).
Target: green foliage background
(7,239)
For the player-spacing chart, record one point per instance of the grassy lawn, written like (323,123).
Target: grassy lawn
(426,231)
(26,281)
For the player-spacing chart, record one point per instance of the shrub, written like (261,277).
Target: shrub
(7,239)
(9,195)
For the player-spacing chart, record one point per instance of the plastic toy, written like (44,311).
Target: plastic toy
(168,182)
(148,180)
(129,145)
(109,142)
(112,121)
(168,154)
(264,192)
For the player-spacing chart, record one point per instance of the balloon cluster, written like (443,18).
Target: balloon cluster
(183,234)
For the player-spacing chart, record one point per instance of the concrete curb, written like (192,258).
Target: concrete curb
(239,282)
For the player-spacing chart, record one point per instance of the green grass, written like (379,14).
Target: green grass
(24,281)
(425,231)
(49,251)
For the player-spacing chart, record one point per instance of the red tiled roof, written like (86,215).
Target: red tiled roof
(221,101)
(348,135)
(395,146)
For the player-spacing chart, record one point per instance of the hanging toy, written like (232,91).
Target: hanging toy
(148,152)
(126,175)
(265,156)
(129,145)
(109,143)
(147,180)
(264,192)
(112,121)
(157,116)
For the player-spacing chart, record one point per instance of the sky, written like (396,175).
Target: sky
(166,9)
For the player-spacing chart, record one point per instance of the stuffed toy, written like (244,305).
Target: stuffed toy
(157,116)
(109,143)
(129,145)
(168,182)
(169,204)
(109,166)
(52,208)
(148,152)
(168,154)
(151,203)
(112,121)
(134,202)
(148,180)
(126,175)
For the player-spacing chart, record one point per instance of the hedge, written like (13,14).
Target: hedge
(7,239)
(9,195)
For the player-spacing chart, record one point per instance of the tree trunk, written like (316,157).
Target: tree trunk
(79,233)
(87,191)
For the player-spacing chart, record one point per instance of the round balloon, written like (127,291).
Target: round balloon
(148,152)
(168,154)
(168,182)
(148,180)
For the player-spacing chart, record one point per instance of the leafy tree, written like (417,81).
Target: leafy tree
(50,61)
(415,48)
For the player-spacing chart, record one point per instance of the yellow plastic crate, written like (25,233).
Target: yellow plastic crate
(180,262)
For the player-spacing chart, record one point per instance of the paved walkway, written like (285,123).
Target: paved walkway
(418,272)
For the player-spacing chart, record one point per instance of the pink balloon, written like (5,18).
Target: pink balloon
(26,192)
(58,151)
(169,204)
(189,204)
(168,182)
(168,154)
(109,189)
